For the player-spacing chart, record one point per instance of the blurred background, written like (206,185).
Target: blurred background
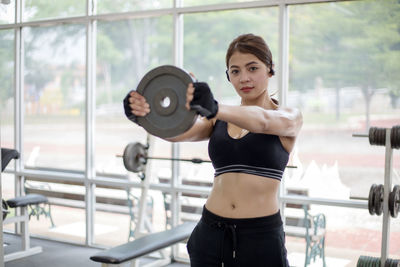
(65,67)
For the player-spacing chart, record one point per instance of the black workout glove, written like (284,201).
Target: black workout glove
(203,101)
(128,110)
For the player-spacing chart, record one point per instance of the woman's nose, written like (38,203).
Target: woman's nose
(244,77)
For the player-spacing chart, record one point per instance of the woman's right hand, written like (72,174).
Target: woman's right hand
(135,105)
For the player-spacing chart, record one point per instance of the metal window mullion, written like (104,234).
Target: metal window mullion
(283,75)
(283,71)
(178,61)
(18,105)
(90,171)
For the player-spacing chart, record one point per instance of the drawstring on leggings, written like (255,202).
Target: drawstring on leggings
(232,228)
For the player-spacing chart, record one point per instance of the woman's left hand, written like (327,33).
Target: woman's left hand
(200,98)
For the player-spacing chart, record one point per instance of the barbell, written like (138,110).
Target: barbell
(135,157)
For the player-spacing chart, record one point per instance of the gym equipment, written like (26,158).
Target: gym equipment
(145,242)
(368,261)
(371,200)
(145,245)
(135,157)
(395,137)
(377,136)
(21,202)
(394,201)
(379,200)
(375,200)
(392,263)
(6,156)
(4,209)
(165,91)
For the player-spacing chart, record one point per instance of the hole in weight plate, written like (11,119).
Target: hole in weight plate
(165,102)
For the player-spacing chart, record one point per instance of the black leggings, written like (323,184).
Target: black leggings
(253,242)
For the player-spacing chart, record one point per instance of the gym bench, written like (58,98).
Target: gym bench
(125,254)
(21,202)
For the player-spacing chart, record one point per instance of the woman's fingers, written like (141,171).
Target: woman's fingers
(189,95)
(140,107)
(138,104)
(135,96)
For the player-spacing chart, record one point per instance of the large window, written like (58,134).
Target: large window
(7,83)
(69,62)
(342,78)
(54,97)
(126,50)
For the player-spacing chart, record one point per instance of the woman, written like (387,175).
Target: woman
(249,146)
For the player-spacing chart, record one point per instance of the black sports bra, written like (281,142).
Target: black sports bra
(254,153)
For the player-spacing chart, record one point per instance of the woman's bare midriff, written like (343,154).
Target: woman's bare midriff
(241,195)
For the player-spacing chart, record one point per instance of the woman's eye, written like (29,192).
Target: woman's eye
(253,68)
(234,71)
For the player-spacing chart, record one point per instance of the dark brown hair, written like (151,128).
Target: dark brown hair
(251,44)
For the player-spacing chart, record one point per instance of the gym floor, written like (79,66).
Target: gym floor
(56,254)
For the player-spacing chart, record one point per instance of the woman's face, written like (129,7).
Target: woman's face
(248,75)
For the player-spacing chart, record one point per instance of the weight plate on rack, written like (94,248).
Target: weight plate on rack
(371,199)
(394,199)
(395,137)
(378,202)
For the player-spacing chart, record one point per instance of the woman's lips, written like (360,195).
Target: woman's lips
(246,89)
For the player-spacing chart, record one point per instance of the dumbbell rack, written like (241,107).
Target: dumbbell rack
(387,188)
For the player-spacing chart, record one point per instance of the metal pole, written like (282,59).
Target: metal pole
(178,61)
(90,169)
(283,76)
(387,187)
(193,160)
(283,68)
(18,104)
